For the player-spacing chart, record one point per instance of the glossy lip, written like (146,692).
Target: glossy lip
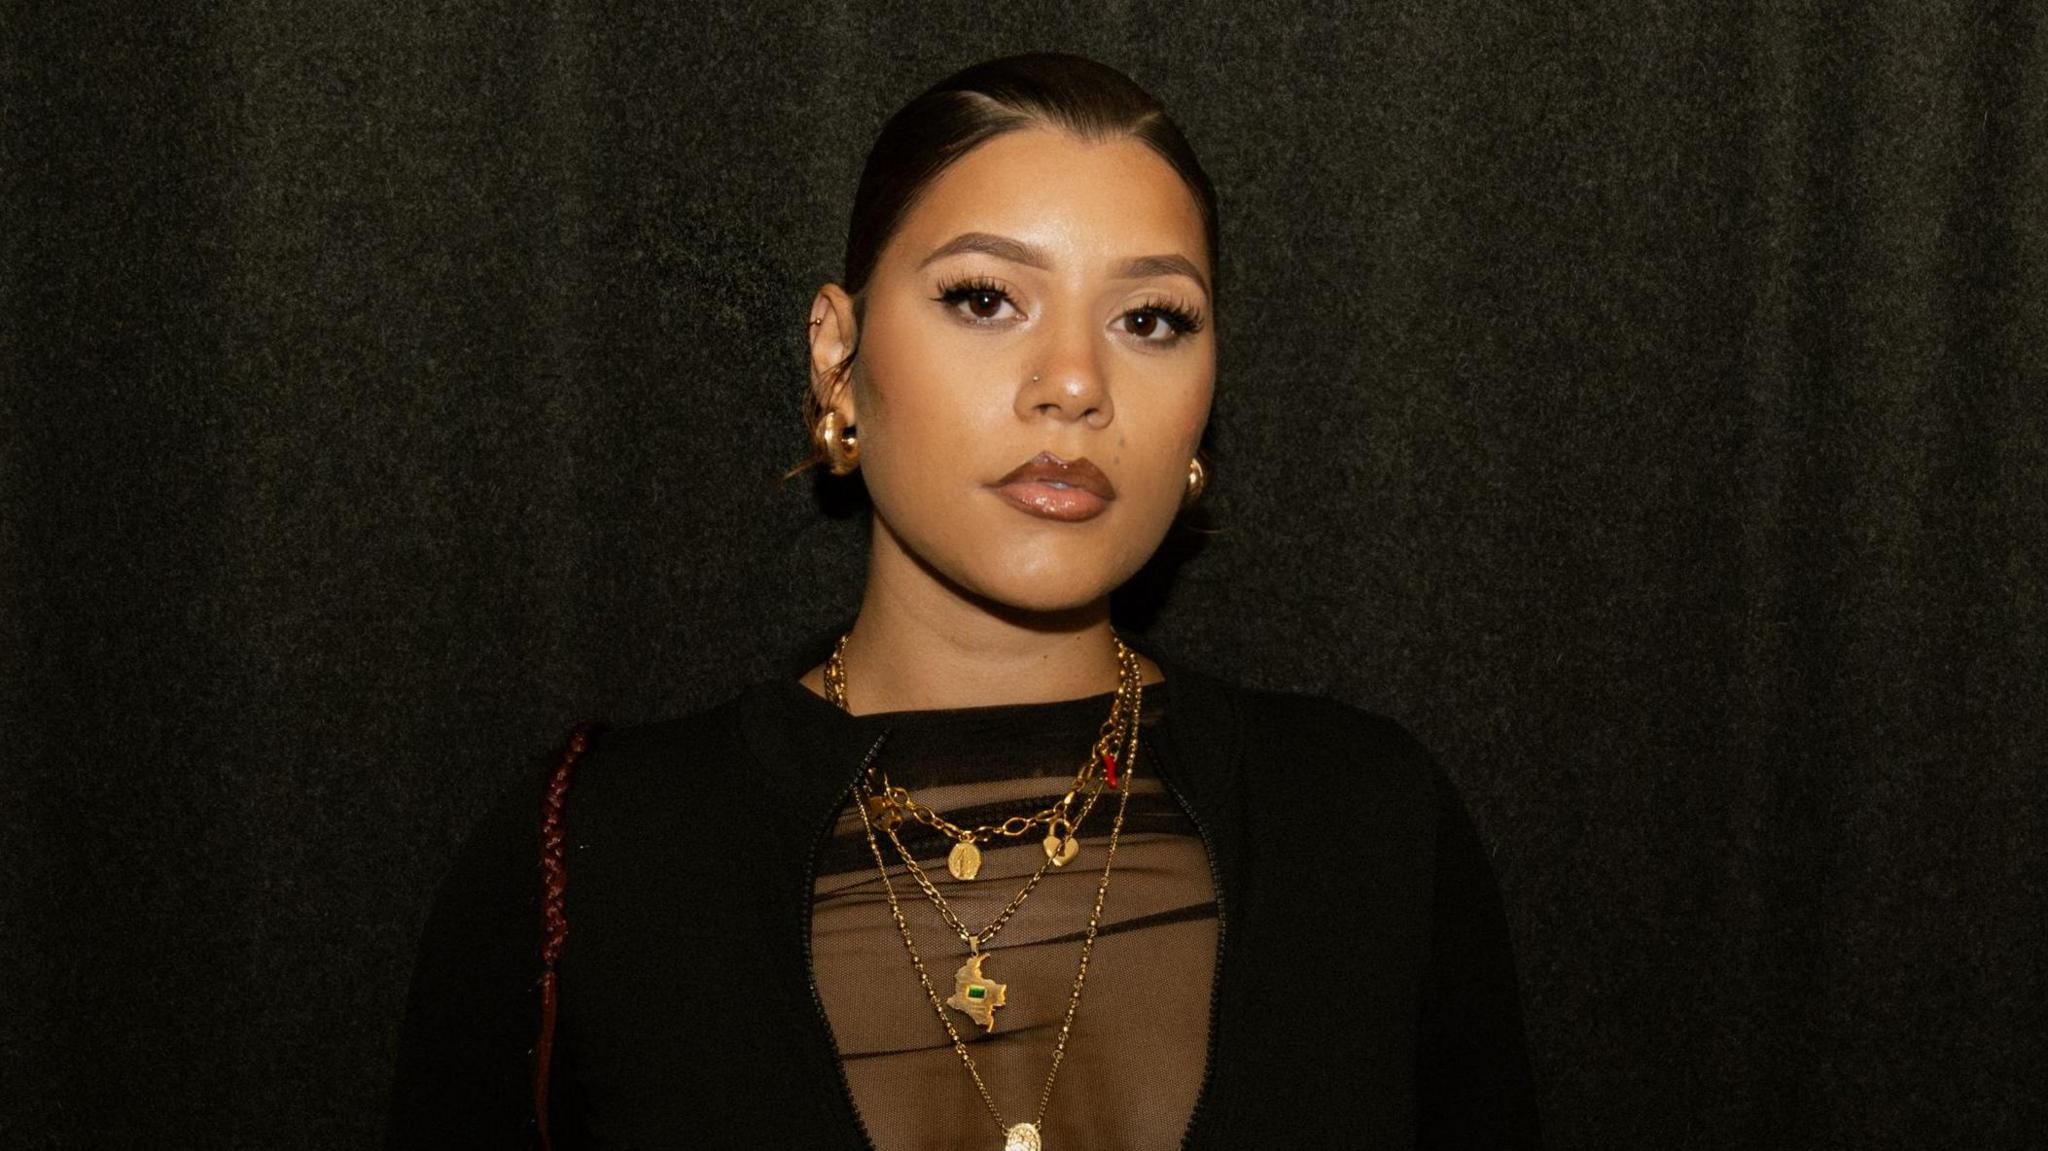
(1050,487)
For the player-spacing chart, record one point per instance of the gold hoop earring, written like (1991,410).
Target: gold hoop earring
(836,439)
(1198,478)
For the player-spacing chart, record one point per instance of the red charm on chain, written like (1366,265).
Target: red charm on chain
(1109,769)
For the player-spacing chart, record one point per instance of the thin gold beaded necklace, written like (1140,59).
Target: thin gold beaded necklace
(970,985)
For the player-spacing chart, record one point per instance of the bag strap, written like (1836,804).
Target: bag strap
(554,925)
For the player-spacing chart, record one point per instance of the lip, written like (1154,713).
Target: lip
(1052,488)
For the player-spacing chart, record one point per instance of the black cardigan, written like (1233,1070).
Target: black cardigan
(1365,992)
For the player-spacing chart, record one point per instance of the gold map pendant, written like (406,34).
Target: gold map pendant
(964,861)
(977,997)
(1022,1137)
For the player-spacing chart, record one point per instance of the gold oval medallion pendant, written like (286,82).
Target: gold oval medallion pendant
(964,861)
(1022,1137)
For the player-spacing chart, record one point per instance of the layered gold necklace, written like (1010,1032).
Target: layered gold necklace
(882,808)
(888,805)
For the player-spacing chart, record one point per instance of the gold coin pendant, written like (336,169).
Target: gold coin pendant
(964,861)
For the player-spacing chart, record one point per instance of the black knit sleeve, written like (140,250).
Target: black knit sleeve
(1474,1087)
(464,1070)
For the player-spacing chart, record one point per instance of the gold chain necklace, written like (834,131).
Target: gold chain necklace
(1020,1136)
(975,940)
(888,804)
(974,995)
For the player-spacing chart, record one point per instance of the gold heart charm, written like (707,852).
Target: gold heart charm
(1061,851)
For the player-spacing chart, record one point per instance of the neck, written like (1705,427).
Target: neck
(921,643)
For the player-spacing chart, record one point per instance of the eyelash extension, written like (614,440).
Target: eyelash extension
(1182,318)
(958,290)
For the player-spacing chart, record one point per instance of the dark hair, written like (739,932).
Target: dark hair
(923,138)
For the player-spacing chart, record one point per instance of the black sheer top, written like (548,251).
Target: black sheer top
(733,977)
(1134,1057)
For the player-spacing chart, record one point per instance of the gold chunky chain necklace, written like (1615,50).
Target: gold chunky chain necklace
(1055,855)
(889,805)
(974,994)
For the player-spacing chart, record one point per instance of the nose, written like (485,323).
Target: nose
(1068,384)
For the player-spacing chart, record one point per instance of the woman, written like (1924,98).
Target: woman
(982,874)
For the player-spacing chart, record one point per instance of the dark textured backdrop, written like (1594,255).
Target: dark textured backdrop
(1643,402)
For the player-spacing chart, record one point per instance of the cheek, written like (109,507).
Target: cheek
(919,403)
(1196,416)
(925,437)
(1179,436)
(921,425)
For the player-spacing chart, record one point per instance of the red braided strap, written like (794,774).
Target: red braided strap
(554,925)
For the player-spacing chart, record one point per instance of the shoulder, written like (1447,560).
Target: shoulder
(612,755)
(633,762)
(1306,749)
(1264,723)
(1329,746)
(1328,721)
(640,740)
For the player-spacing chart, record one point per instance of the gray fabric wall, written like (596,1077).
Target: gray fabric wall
(1642,402)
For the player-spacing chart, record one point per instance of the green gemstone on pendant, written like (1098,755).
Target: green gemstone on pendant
(977,993)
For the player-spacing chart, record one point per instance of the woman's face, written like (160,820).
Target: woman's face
(1047,300)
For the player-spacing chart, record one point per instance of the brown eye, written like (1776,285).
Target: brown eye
(1161,323)
(983,300)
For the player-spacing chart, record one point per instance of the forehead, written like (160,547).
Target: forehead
(1091,204)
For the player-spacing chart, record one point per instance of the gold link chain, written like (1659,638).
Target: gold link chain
(1108,739)
(1087,944)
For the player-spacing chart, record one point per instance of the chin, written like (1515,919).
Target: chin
(1039,601)
(1042,581)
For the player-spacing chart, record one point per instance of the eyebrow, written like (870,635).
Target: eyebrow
(1019,252)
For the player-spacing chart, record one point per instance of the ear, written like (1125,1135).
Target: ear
(832,341)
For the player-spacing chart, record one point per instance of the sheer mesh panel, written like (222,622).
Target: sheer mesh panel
(1135,1059)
